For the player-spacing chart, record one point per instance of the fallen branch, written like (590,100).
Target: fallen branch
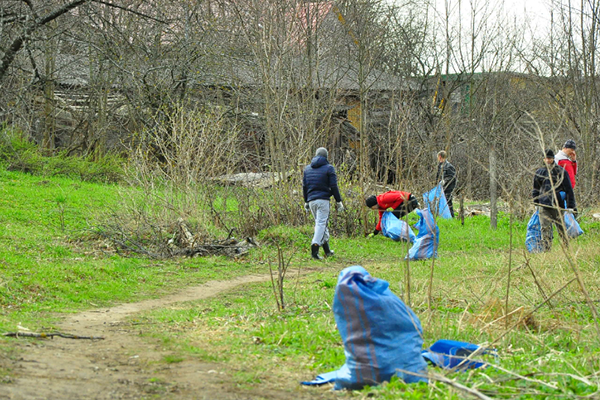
(465,389)
(515,376)
(441,378)
(51,335)
(502,317)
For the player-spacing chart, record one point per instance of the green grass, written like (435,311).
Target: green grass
(50,260)
(52,263)
(557,346)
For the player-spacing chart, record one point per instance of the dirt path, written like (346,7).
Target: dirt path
(123,365)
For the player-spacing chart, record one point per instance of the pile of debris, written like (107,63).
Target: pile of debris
(181,243)
(186,244)
(258,180)
(478,209)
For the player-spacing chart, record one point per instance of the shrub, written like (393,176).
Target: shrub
(13,142)
(20,154)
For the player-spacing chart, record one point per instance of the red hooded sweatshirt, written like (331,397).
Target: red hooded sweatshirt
(570,166)
(393,199)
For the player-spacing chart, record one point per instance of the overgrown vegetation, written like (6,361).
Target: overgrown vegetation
(52,260)
(274,334)
(19,153)
(547,351)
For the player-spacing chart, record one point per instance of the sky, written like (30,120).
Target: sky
(538,11)
(527,19)
(534,11)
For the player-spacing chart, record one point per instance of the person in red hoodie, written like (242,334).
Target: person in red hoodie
(567,158)
(399,203)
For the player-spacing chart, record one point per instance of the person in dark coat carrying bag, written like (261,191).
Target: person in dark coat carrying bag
(548,182)
(319,183)
(446,174)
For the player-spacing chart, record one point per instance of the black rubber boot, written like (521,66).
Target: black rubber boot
(328,251)
(315,251)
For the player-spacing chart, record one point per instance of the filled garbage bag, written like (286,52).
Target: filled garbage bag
(428,238)
(396,229)
(435,199)
(572,226)
(533,239)
(382,336)
(450,354)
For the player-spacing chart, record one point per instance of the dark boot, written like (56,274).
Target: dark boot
(328,251)
(315,251)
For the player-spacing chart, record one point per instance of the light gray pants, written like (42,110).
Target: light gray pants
(320,211)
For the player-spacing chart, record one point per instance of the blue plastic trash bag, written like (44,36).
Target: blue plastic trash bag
(573,228)
(396,229)
(533,239)
(563,197)
(449,354)
(428,238)
(322,379)
(435,199)
(571,224)
(382,337)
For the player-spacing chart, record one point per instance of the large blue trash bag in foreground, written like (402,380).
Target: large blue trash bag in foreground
(428,238)
(396,229)
(382,337)
(435,199)
(533,239)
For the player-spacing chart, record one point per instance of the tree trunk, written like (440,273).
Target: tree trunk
(49,107)
(493,190)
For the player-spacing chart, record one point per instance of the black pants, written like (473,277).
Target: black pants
(406,207)
(449,201)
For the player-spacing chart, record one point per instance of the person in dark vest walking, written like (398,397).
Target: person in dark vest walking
(319,183)
(548,182)
(446,174)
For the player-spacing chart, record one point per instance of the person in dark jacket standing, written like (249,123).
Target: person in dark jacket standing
(548,182)
(319,183)
(446,174)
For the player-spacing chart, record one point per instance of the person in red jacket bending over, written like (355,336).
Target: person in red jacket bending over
(399,203)
(567,158)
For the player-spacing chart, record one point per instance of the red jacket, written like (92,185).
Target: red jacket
(392,199)
(570,166)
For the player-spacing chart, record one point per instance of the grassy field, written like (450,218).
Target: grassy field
(549,352)
(52,263)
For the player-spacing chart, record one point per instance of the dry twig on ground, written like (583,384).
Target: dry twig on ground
(51,335)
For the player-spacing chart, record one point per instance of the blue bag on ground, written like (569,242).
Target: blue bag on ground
(533,239)
(435,199)
(396,229)
(382,337)
(450,354)
(428,238)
